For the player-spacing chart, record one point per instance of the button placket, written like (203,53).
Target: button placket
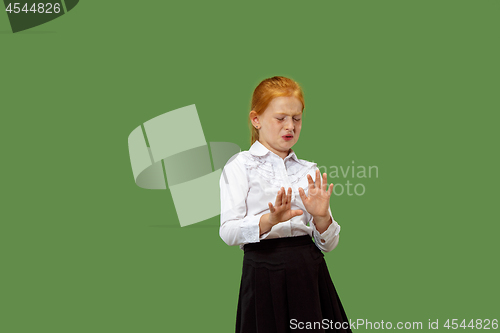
(284,174)
(281,171)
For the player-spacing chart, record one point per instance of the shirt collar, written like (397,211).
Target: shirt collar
(258,149)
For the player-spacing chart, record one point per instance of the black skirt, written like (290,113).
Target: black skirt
(286,287)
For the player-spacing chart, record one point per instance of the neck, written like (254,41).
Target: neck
(281,154)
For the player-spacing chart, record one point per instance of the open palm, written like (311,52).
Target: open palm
(282,209)
(318,201)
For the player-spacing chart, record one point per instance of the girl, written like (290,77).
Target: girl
(285,284)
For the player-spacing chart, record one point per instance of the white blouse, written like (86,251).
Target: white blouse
(253,178)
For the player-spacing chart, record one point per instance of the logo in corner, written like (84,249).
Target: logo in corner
(28,14)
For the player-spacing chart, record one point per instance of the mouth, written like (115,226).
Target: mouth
(287,137)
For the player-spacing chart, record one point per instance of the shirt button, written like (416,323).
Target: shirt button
(322,240)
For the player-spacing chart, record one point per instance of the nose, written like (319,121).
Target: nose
(289,125)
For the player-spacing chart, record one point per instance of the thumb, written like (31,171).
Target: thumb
(297,212)
(271,207)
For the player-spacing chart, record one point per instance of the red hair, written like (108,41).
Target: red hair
(266,91)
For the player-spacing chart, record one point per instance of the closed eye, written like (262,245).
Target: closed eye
(281,119)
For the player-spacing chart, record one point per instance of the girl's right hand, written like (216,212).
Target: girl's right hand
(282,209)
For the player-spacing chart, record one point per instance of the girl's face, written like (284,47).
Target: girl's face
(279,124)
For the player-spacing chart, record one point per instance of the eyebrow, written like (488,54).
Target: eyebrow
(286,114)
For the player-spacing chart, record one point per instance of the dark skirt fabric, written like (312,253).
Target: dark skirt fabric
(286,287)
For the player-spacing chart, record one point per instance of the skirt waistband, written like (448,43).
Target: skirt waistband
(274,243)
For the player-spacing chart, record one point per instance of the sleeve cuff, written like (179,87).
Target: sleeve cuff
(329,234)
(250,229)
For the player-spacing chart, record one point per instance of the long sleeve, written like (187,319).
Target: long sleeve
(237,227)
(250,180)
(329,239)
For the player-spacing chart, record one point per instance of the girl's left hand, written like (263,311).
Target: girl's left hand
(318,202)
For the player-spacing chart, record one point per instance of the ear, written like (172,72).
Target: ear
(254,118)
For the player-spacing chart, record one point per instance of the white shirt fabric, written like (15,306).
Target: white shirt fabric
(253,178)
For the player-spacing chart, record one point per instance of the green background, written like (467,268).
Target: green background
(408,86)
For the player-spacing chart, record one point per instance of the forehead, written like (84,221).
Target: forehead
(285,105)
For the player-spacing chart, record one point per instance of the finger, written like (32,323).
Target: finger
(330,190)
(302,194)
(318,179)
(324,184)
(310,182)
(271,208)
(283,196)
(279,198)
(289,196)
(297,212)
